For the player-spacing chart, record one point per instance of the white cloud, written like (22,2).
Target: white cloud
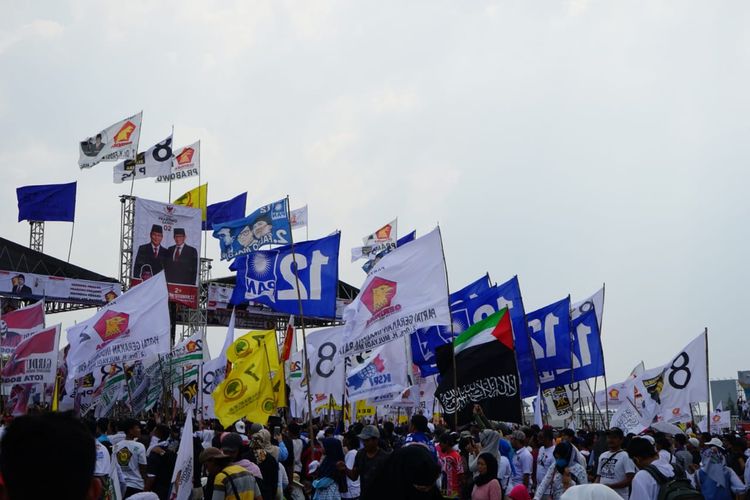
(38,29)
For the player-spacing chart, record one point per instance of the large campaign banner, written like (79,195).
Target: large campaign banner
(34,360)
(267,225)
(37,286)
(167,238)
(267,277)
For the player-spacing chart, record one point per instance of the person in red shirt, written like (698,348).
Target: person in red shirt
(451,468)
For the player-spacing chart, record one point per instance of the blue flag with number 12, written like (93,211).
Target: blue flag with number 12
(267,277)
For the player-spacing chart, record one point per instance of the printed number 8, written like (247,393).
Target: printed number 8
(682,368)
(326,357)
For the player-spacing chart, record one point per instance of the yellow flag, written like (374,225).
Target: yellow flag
(195,198)
(279,388)
(258,340)
(364,410)
(246,392)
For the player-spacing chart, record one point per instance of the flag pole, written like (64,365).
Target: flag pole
(135,158)
(708,383)
(70,246)
(302,326)
(453,335)
(572,374)
(604,365)
(169,196)
(515,350)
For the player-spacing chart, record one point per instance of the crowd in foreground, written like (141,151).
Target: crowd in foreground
(55,455)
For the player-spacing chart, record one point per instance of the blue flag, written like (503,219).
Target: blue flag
(224,211)
(510,297)
(587,353)
(267,225)
(50,202)
(425,341)
(267,277)
(406,239)
(549,329)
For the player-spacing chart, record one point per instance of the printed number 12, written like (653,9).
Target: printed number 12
(316,268)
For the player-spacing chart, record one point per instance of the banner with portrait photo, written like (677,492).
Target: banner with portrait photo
(267,225)
(167,238)
(116,142)
(37,286)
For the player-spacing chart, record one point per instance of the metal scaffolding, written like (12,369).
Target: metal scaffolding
(127,213)
(36,235)
(197,319)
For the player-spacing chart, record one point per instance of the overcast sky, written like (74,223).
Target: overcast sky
(572,143)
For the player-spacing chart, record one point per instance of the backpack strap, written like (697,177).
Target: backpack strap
(656,474)
(231,483)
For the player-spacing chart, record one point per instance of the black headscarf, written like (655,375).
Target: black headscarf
(334,453)
(491,473)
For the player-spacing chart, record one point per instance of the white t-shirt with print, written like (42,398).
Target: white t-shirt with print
(613,468)
(130,455)
(544,460)
(524,464)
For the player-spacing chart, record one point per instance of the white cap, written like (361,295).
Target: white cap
(694,442)
(716,442)
(648,438)
(320,435)
(431,426)
(240,426)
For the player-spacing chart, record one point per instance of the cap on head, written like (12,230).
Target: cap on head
(369,431)
(156,228)
(240,426)
(716,442)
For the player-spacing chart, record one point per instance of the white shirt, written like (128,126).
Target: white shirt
(352,486)
(130,455)
(666,457)
(102,460)
(644,486)
(297,445)
(524,464)
(504,472)
(116,438)
(544,460)
(613,468)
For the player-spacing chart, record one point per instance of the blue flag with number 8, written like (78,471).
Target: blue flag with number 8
(267,277)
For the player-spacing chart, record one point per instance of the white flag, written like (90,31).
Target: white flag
(596,302)
(383,373)
(132,327)
(214,372)
(114,143)
(628,420)
(182,477)
(616,394)
(298,218)
(406,291)
(381,241)
(673,386)
(297,384)
(156,161)
(186,162)
(326,362)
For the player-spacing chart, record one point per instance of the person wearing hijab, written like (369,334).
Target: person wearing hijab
(264,438)
(566,472)
(590,492)
(486,485)
(328,476)
(269,467)
(519,492)
(488,443)
(715,479)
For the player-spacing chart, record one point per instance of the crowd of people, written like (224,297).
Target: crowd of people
(46,456)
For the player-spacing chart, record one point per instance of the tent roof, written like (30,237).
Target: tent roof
(18,258)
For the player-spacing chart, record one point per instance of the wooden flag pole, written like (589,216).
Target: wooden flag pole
(453,335)
(604,365)
(135,159)
(302,326)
